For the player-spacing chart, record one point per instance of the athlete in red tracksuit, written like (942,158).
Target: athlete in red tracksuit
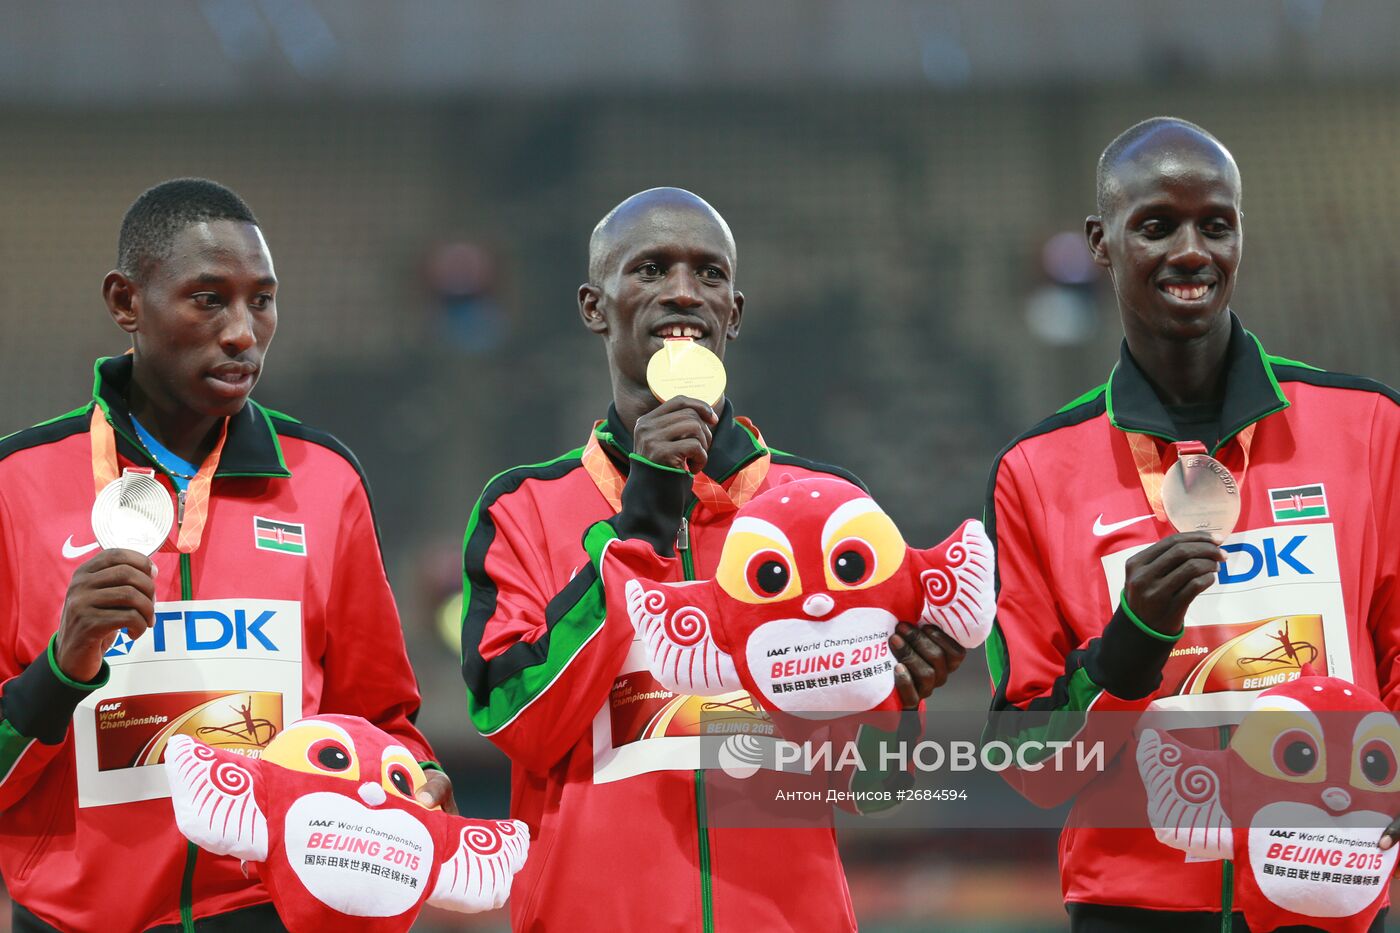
(607,770)
(1092,607)
(281,610)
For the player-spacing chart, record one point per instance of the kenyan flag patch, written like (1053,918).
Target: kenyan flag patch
(286,537)
(1298,502)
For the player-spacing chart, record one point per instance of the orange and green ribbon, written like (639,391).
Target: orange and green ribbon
(1152,469)
(196,514)
(718,498)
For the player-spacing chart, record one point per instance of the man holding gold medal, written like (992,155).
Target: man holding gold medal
(234,585)
(606,765)
(1188,534)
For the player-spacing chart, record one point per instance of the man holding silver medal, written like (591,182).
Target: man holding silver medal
(235,585)
(606,764)
(1191,532)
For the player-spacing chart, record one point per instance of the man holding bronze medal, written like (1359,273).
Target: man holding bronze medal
(606,765)
(234,585)
(1191,532)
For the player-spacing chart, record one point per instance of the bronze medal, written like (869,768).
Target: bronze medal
(1200,494)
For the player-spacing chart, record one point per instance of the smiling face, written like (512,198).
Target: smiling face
(201,319)
(662,266)
(1171,235)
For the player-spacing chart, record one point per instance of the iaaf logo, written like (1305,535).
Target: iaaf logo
(202,630)
(1268,557)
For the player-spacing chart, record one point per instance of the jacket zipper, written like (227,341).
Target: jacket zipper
(707,912)
(702,818)
(1227,870)
(191,850)
(186,593)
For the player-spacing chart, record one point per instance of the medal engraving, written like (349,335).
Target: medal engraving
(134,512)
(1200,494)
(684,367)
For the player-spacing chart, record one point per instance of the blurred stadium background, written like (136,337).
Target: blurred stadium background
(907,183)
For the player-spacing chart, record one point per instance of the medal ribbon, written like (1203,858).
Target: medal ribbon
(719,499)
(104,450)
(104,471)
(1151,470)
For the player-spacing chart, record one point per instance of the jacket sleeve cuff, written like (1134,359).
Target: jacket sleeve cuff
(1130,656)
(638,458)
(652,503)
(595,543)
(40,701)
(431,766)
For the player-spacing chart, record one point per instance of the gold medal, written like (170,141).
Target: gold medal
(684,367)
(1200,494)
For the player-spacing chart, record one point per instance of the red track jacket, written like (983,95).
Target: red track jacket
(284,610)
(1315,546)
(605,760)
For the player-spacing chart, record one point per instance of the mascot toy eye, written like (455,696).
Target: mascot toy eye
(812,579)
(1298,800)
(329,817)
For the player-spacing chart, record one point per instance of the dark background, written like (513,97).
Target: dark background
(907,183)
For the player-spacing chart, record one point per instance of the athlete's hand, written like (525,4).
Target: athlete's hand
(1161,581)
(676,434)
(115,590)
(925,657)
(437,791)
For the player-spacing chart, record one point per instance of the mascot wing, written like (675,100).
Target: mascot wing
(957,579)
(1183,796)
(212,792)
(478,873)
(676,624)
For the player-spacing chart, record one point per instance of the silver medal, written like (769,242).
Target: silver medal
(134,512)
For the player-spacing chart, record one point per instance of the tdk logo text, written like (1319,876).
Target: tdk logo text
(203,630)
(1269,557)
(218,631)
(210,630)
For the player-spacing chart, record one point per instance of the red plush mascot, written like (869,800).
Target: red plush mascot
(329,817)
(812,579)
(1298,801)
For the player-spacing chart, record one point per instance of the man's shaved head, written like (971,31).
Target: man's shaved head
(611,230)
(1170,232)
(660,266)
(1155,139)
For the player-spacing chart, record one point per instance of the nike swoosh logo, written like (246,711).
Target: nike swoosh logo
(1100,529)
(70,552)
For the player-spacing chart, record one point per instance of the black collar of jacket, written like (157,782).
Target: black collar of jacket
(1251,391)
(732,447)
(251,449)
